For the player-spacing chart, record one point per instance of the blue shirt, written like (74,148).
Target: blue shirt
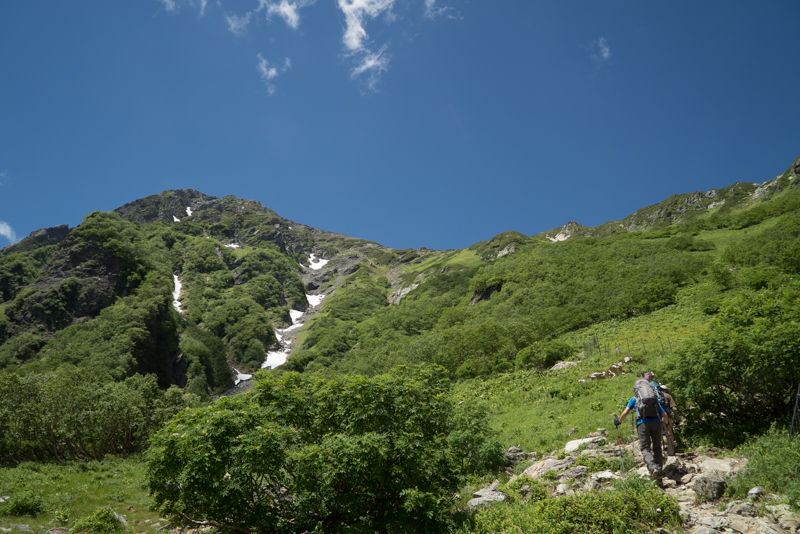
(632,406)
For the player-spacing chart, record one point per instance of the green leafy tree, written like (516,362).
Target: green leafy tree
(299,453)
(742,374)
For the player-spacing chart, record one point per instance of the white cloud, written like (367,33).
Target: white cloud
(373,63)
(8,232)
(174,5)
(432,10)
(287,11)
(356,12)
(238,25)
(600,50)
(268,73)
(3,176)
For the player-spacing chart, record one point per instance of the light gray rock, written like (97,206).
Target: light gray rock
(485,496)
(573,445)
(705,530)
(562,365)
(740,508)
(592,484)
(561,489)
(685,479)
(710,486)
(717,523)
(551,464)
(755,493)
(121,519)
(573,472)
(604,475)
(668,483)
(714,464)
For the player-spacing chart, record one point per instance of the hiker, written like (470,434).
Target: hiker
(648,424)
(667,404)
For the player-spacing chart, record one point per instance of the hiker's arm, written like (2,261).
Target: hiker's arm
(624,414)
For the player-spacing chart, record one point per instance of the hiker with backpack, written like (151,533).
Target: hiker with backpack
(648,424)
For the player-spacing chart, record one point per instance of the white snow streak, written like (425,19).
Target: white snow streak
(278,358)
(314,300)
(232,246)
(189,211)
(175,219)
(176,293)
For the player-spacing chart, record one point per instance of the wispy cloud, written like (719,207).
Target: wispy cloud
(368,61)
(601,52)
(3,176)
(174,5)
(268,73)
(238,25)
(8,232)
(288,11)
(432,10)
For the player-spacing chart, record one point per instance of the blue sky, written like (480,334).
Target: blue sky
(435,123)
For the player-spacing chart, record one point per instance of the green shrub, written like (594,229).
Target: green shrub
(627,510)
(103,521)
(774,464)
(23,503)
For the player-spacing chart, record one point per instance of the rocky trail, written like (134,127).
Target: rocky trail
(697,480)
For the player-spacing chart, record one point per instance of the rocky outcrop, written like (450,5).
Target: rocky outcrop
(39,238)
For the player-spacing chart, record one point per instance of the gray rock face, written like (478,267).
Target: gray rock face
(573,472)
(485,496)
(515,455)
(710,486)
(550,464)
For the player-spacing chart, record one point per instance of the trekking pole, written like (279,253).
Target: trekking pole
(619,442)
(794,415)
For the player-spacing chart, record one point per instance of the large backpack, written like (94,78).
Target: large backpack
(646,400)
(661,400)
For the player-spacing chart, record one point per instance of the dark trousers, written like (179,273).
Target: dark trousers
(650,433)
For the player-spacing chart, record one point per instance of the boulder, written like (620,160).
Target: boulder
(592,484)
(573,445)
(487,495)
(573,472)
(755,493)
(550,464)
(562,365)
(714,464)
(705,530)
(561,489)
(710,486)
(515,455)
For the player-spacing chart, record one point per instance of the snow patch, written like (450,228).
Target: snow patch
(176,293)
(233,246)
(316,263)
(240,377)
(278,358)
(314,300)
(188,211)
(562,236)
(175,219)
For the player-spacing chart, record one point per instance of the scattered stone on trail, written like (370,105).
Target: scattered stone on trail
(604,475)
(714,464)
(740,508)
(562,365)
(515,455)
(573,445)
(668,483)
(710,486)
(487,495)
(785,517)
(573,472)
(543,466)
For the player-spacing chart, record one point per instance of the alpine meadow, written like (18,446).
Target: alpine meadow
(203,364)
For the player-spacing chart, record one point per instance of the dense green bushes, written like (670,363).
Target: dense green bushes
(77,415)
(347,455)
(741,375)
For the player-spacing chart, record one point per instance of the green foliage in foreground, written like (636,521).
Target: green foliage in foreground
(71,415)
(631,507)
(743,372)
(61,494)
(103,521)
(774,464)
(352,454)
